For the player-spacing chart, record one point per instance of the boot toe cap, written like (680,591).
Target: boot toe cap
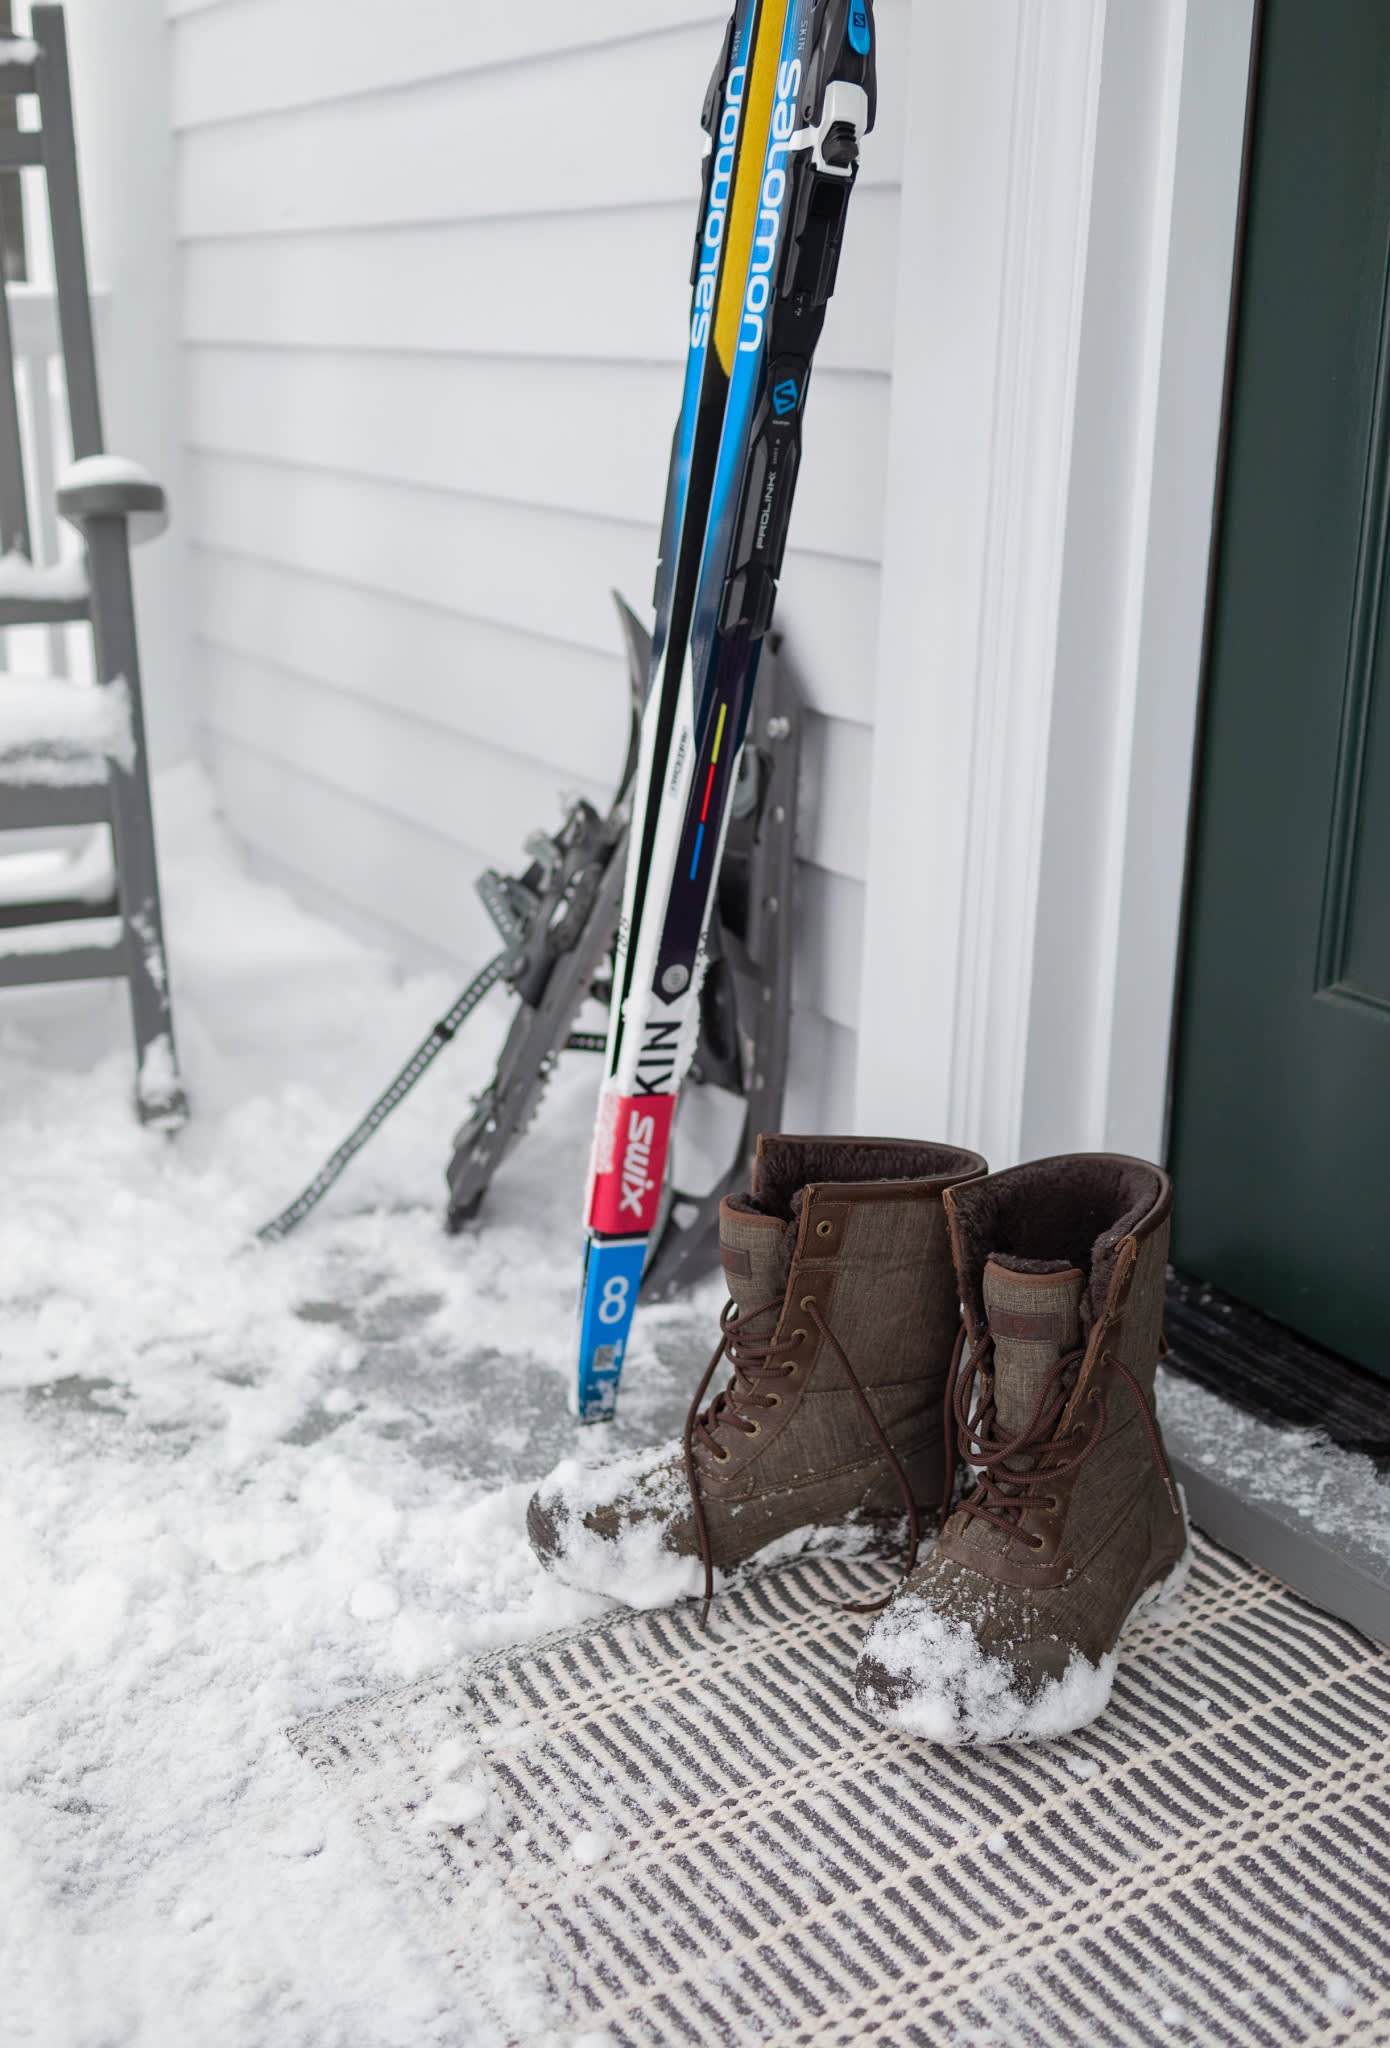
(620,1529)
(928,1674)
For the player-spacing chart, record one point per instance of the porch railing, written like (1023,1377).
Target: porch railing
(58,650)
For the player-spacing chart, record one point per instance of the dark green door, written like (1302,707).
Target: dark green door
(1281,1135)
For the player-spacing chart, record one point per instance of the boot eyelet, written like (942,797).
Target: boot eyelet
(723,1454)
(1036,1542)
(1052,1504)
(773,1400)
(799,1336)
(808,1301)
(752,1429)
(824,1228)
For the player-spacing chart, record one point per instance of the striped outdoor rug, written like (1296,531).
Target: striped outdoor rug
(638,1834)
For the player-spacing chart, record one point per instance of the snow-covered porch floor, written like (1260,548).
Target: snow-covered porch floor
(245,1487)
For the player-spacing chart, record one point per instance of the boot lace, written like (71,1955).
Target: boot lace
(757,1361)
(1005,1492)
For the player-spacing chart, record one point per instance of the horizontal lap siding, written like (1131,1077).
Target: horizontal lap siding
(433,307)
(535,289)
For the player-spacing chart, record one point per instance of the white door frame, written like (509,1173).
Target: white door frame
(1070,194)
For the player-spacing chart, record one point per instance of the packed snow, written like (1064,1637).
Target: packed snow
(116,472)
(100,933)
(245,1485)
(21,578)
(953,1692)
(83,872)
(102,469)
(949,1690)
(638,1566)
(57,732)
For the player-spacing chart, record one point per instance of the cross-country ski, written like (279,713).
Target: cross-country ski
(790,101)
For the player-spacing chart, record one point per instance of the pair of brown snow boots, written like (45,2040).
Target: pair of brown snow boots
(858,1396)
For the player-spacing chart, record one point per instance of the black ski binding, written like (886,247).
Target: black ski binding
(745,998)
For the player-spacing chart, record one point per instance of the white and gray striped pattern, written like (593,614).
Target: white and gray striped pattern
(1206,1864)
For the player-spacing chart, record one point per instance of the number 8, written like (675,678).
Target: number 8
(612,1302)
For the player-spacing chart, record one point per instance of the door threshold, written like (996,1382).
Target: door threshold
(1301,1487)
(1273,1372)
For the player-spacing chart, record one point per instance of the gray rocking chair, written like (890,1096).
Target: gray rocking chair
(73,754)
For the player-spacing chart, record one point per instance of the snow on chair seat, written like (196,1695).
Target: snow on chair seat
(42,582)
(60,733)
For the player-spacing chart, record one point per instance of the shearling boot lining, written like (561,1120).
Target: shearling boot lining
(785,1165)
(1052,1214)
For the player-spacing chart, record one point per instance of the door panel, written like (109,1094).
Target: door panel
(1281,1131)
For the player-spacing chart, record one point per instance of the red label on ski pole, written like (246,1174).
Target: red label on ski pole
(628,1170)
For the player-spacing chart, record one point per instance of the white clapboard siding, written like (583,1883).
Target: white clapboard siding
(611,285)
(391,880)
(438,676)
(264,55)
(468,676)
(485,798)
(401,871)
(433,298)
(820,1076)
(438,420)
(517,565)
(589,128)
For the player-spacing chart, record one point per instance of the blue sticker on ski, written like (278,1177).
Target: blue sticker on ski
(612,1276)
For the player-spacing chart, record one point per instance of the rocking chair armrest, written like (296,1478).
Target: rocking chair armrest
(108,487)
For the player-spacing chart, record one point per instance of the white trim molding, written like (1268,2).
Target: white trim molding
(1069,205)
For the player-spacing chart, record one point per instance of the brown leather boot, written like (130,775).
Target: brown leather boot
(840,1332)
(1008,1632)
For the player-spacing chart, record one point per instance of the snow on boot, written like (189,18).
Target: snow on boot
(840,1330)
(1008,1631)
